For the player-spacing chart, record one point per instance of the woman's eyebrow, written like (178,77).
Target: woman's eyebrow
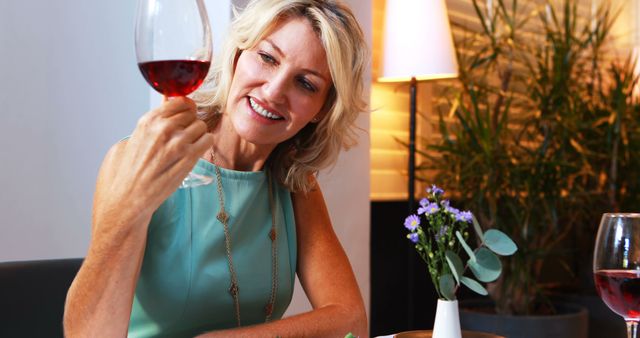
(306,70)
(274,46)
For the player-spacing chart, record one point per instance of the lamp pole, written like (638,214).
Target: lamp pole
(412,143)
(411,189)
(418,46)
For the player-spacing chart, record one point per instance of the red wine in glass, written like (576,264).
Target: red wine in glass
(174,77)
(616,266)
(620,290)
(174,51)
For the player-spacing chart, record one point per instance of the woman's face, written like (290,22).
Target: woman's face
(279,85)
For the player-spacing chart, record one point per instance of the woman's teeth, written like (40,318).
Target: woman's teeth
(262,111)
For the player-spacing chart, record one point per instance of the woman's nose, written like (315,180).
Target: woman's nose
(275,88)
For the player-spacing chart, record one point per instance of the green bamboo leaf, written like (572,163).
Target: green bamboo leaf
(498,242)
(482,19)
(455,264)
(454,106)
(486,267)
(474,286)
(447,287)
(577,146)
(472,256)
(467,129)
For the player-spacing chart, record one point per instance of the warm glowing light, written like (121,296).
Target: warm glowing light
(417,42)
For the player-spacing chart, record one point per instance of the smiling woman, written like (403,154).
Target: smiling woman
(279,85)
(221,259)
(335,37)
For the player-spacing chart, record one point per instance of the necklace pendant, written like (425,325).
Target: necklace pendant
(268,309)
(222,216)
(234,289)
(272,234)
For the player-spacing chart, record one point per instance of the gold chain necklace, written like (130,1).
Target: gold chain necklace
(223,218)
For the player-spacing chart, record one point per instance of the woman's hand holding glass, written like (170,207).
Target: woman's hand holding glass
(140,173)
(173,49)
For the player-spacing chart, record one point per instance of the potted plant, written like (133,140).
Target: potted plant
(440,234)
(541,133)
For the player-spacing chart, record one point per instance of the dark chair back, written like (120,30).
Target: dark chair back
(32,295)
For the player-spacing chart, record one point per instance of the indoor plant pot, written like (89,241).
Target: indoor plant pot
(570,321)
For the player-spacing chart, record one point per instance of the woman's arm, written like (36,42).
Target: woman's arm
(136,176)
(325,275)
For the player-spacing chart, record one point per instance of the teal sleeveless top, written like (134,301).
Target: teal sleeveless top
(183,288)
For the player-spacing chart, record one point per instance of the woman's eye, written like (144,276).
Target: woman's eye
(306,85)
(267,58)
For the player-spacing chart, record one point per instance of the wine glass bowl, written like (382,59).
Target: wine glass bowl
(173,44)
(173,51)
(616,266)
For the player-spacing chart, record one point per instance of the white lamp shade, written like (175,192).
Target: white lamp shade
(417,41)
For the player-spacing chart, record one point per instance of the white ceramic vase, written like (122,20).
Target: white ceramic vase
(447,324)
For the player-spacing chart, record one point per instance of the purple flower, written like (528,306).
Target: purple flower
(459,217)
(466,216)
(435,190)
(445,203)
(423,206)
(413,237)
(432,208)
(453,210)
(441,232)
(412,222)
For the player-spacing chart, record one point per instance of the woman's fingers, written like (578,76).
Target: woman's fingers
(185,132)
(182,120)
(184,164)
(179,110)
(166,144)
(176,105)
(204,142)
(184,145)
(160,125)
(194,131)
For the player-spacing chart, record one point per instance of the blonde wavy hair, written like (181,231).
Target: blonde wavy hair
(317,145)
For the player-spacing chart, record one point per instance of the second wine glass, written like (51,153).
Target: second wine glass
(174,50)
(616,266)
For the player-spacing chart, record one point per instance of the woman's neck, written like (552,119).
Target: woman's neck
(233,152)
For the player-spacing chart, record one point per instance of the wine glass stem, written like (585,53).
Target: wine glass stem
(632,329)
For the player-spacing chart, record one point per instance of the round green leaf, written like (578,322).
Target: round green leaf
(474,286)
(455,264)
(447,287)
(498,242)
(486,267)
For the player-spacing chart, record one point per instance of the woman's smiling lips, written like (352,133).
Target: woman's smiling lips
(261,112)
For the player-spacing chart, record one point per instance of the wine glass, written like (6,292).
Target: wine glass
(173,48)
(616,266)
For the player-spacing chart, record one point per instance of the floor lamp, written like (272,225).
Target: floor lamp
(418,46)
